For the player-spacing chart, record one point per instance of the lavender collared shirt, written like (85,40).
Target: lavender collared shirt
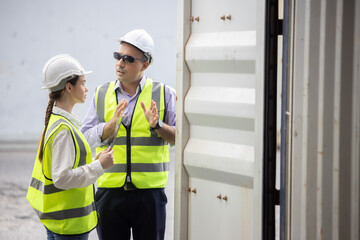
(92,128)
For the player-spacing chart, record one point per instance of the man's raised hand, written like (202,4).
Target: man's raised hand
(151,114)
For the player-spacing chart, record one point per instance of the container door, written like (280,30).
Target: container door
(219,144)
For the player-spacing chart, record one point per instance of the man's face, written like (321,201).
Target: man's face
(130,72)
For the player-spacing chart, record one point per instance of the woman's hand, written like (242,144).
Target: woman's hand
(106,158)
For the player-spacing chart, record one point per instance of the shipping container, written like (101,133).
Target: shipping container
(267,91)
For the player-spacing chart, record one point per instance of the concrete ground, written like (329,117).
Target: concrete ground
(18,220)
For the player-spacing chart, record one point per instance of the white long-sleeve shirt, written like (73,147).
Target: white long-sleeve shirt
(63,157)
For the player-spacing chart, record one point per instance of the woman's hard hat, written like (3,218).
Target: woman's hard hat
(58,70)
(140,39)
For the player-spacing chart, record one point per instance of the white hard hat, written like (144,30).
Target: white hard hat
(58,70)
(140,39)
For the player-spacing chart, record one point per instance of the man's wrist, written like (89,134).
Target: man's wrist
(158,125)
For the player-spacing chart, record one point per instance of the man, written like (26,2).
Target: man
(131,193)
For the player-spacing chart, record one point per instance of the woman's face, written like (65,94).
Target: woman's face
(79,90)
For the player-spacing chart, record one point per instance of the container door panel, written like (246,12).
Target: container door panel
(221,99)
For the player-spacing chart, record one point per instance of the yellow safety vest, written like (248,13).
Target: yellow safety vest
(64,212)
(139,152)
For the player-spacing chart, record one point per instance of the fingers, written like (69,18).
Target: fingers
(152,108)
(154,111)
(108,151)
(97,156)
(143,107)
(109,154)
(151,114)
(102,152)
(107,158)
(120,108)
(123,104)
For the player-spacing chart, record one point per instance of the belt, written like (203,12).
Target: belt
(129,186)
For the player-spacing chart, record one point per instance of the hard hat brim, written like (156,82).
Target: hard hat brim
(61,84)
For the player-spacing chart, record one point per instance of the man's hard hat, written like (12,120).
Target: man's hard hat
(140,39)
(58,70)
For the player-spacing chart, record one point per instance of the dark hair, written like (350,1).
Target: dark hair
(53,96)
(73,80)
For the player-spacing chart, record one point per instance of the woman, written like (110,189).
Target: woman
(61,189)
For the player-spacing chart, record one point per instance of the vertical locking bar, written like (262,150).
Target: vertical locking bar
(270,194)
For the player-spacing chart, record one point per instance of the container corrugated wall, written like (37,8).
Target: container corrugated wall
(218,193)
(323,180)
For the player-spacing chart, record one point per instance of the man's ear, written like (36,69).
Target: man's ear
(145,66)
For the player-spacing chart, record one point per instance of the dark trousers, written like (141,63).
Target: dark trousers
(53,236)
(142,210)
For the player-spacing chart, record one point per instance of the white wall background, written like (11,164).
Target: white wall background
(33,31)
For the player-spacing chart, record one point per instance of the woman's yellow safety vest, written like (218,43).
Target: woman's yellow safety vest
(140,154)
(64,212)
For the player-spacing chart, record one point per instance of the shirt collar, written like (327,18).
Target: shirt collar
(71,117)
(138,89)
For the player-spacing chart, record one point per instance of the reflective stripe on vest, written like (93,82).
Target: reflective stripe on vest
(67,214)
(62,211)
(140,167)
(149,157)
(45,189)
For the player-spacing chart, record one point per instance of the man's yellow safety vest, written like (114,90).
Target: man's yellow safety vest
(139,152)
(64,212)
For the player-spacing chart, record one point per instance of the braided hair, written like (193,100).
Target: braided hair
(53,96)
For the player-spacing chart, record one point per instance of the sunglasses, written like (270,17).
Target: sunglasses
(127,58)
